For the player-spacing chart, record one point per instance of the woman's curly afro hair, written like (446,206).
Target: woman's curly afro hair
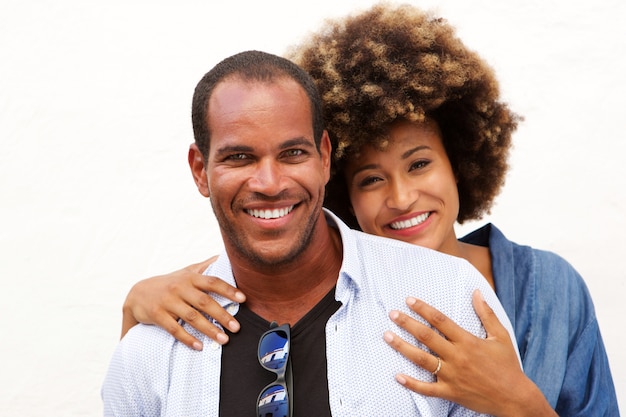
(398,62)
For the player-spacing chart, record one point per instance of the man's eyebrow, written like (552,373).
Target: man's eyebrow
(290,143)
(299,141)
(233,149)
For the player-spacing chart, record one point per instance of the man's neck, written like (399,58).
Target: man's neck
(286,293)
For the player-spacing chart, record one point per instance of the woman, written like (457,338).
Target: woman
(421,141)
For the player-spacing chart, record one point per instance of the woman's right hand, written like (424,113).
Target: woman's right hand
(483,375)
(163,299)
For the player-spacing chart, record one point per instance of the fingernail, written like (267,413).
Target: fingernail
(233,326)
(239,297)
(388,336)
(480,295)
(401,379)
(411,301)
(197,345)
(394,314)
(221,338)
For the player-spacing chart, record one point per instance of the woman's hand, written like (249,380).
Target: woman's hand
(483,375)
(163,299)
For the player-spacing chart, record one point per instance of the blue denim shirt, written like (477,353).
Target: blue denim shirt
(555,325)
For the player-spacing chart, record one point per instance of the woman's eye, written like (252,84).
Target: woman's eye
(369,181)
(419,164)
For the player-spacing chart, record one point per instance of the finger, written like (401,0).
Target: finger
(173,327)
(188,305)
(423,333)
(487,316)
(203,302)
(215,285)
(438,320)
(413,353)
(430,389)
(200,267)
(199,299)
(199,322)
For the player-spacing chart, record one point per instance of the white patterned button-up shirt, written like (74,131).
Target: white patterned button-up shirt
(151,374)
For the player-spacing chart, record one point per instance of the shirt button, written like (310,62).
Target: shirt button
(232,309)
(214,345)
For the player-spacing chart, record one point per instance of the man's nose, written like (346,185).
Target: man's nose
(267,178)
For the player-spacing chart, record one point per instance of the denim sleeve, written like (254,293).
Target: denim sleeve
(588,388)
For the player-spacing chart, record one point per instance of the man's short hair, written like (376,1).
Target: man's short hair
(255,66)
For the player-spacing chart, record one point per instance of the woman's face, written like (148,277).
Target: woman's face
(406,191)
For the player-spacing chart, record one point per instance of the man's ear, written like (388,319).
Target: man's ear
(326,152)
(196,163)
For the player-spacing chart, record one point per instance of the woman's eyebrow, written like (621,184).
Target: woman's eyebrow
(411,151)
(363,168)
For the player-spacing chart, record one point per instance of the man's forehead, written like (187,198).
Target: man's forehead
(237,82)
(241,111)
(236,96)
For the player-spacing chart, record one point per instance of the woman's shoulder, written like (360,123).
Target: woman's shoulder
(548,272)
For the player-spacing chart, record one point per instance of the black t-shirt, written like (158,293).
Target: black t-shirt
(243,378)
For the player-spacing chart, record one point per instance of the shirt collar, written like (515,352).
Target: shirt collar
(349,275)
(221,268)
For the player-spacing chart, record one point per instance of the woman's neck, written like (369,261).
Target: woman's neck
(478,256)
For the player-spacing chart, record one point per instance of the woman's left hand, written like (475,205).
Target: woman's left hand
(483,375)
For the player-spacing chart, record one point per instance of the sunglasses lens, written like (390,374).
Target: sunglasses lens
(273,402)
(274,350)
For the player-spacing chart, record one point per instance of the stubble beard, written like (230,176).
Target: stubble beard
(248,250)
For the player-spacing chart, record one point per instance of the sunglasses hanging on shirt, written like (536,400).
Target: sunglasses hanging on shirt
(273,354)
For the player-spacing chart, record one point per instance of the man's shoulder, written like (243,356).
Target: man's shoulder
(145,343)
(139,369)
(388,263)
(377,247)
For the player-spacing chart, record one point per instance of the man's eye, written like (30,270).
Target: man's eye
(237,157)
(294,152)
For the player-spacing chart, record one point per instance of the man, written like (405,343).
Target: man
(262,156)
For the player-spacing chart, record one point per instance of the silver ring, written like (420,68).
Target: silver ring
(436,371)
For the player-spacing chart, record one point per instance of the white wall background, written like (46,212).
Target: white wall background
(96,193)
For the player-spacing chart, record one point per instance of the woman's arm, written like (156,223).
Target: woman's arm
(163,299)
(483,375)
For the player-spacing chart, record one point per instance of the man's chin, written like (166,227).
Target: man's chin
(274,258)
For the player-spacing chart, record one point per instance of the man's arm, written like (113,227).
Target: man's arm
(136,381)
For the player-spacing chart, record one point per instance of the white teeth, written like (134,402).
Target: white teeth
(404,224)
(270,214)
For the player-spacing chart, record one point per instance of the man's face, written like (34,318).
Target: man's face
(265,176)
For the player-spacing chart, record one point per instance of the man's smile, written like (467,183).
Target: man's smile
(270,213)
